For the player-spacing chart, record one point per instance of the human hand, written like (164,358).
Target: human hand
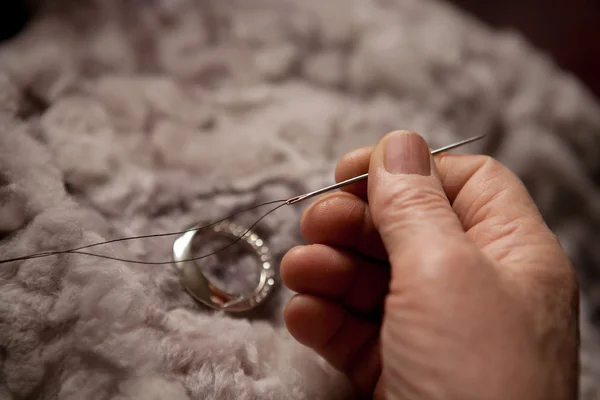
(436,279)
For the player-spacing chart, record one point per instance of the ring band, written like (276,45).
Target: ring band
(197,285)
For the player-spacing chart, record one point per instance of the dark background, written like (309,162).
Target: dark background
(568,30)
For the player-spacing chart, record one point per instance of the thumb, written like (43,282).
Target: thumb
(407,201)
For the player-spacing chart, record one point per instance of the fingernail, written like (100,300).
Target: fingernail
(407,153)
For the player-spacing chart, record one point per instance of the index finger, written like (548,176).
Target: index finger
(352,164)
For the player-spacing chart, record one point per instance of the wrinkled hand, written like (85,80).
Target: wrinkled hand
(436,280)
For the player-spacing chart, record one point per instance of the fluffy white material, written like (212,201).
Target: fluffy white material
(121,118)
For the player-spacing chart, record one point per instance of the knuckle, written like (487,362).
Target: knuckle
(401,201)
(493,168)
(567,279)
(572,285)
(490,162)
(413,197)
(555,303)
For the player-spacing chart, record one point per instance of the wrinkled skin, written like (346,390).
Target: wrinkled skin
(437,281)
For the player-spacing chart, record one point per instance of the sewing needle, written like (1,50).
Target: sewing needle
(308,195)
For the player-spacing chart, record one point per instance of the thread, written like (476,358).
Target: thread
(77,250)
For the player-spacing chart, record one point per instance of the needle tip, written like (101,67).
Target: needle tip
(458,144)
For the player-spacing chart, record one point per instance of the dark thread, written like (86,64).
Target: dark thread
(76,250)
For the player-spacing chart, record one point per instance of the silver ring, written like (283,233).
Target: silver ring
(197,285)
